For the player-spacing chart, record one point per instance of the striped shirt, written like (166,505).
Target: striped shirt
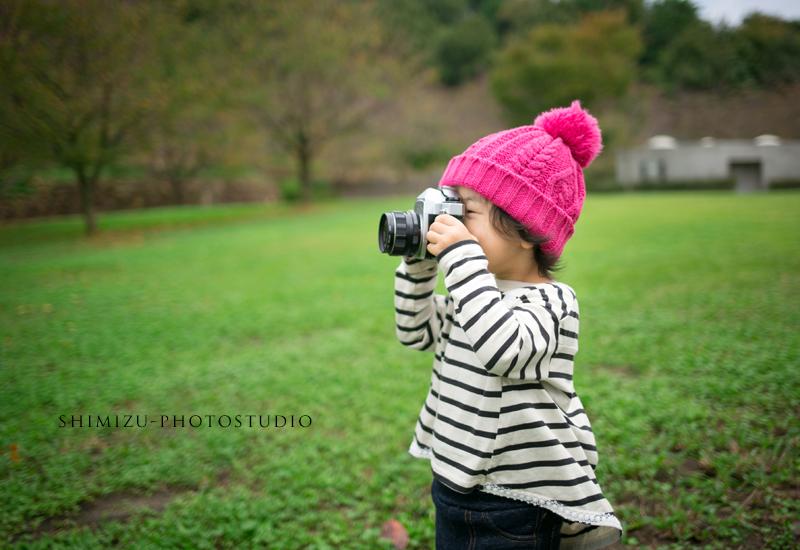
(501,413)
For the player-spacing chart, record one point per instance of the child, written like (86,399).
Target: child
(511,449)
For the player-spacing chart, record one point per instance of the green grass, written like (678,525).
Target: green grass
(689,369)
(133,222)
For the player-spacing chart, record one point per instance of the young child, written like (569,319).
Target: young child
(511,448)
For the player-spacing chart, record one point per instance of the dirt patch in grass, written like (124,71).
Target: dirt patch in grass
(649,536)
(122,505)
(691,465)
(762,530)
(118,506)
(626,371)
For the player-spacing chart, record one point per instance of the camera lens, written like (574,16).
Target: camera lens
(386,233)
(399,234)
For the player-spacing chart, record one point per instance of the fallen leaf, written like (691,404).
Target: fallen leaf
(394,531)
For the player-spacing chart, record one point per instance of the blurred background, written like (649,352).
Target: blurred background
(119,105)
(190,193)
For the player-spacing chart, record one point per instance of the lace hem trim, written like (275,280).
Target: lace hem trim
(605,520)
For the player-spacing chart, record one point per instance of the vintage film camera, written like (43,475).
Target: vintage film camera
(403,233)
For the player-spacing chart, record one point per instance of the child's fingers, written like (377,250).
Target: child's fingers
(438,227)
(442,224)
(446,219)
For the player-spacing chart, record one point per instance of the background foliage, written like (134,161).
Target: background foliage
(186,90)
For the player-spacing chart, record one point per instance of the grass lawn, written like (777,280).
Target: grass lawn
(689,369)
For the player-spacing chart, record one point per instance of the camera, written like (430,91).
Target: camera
(403,233)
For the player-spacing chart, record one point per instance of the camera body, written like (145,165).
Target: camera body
(403,233)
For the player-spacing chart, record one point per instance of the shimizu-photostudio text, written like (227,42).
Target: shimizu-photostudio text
(185,421)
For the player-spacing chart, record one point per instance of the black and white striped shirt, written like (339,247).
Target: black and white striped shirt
(501,413)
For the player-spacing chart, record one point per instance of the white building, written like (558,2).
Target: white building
(752,164)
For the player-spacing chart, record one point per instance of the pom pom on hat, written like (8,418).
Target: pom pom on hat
(576,128)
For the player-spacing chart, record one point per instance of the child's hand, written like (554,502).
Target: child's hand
(446,231)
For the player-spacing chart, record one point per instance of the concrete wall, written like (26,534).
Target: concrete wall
(692,162)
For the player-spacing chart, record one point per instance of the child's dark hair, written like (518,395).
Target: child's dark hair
(507,226)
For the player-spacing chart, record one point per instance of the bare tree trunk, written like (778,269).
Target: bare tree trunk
(177,189)
(87,186)
(304,165)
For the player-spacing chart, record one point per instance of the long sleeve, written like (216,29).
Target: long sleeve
(513,342)
(418,312)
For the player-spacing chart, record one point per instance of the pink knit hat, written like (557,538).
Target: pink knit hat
(534,172)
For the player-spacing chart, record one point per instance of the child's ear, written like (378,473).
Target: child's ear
(526,245)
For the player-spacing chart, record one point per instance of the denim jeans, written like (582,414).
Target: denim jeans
(482,521)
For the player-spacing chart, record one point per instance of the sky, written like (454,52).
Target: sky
(732,11)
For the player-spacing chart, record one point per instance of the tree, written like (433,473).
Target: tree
(79,81)
(181,149)
(633,9)
(462,49)
(553,65)
(191,136)
(417,21)
(313,71)
(701,58)
(771,49)
(664,21)
(190,133)
(520,16)
(10,161)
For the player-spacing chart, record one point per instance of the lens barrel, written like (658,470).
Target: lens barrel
(399,234)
